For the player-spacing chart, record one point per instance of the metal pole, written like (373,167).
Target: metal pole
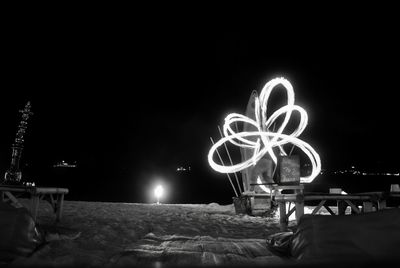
(291,150)
(230,159)
(229,177)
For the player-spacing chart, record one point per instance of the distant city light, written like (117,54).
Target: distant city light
(62,163)
(267,139)
(354,171)
(29,184)
(158,192)
(183,169)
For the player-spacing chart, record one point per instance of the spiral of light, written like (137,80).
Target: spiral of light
(267,140)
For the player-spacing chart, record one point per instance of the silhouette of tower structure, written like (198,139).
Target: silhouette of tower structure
(13,175)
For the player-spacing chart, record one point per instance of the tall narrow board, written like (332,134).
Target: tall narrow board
(247,153)
(265,165)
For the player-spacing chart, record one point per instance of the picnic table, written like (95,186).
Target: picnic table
(278,190)
(358,202)
(55,196)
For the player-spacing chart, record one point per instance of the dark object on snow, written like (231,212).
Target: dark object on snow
(242,205)
(280,243)
(177,251)
(18,233)
(372,237)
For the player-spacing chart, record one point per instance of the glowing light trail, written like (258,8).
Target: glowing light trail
(267,140)
(229,177)
(230,159)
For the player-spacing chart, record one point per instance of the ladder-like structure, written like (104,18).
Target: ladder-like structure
(13,175)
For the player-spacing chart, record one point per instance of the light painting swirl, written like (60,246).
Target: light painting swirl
(267,139)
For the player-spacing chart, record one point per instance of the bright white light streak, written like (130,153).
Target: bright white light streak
(229,177)
(263,187)
(230,159)
(158,192)
(266,139)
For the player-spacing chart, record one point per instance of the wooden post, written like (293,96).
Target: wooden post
(299,210)
(283,220)
(60,205)
(299,204)
(341,206)
(53,203)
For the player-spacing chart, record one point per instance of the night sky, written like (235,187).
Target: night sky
(132,99)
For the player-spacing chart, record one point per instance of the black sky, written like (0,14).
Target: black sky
(129,96)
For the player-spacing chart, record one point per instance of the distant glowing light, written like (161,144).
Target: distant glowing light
(183,169)
(267,139)
(158,192)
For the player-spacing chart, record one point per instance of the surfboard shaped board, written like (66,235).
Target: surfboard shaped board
(247,153)
(265,165)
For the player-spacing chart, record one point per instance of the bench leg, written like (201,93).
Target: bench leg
(59,207)
(341,207)
(354,208)
(299,210)
(283,220)
(13,199)
(317,208)
(329,210)
(34,206)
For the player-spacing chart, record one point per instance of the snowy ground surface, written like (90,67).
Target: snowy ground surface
(112,234)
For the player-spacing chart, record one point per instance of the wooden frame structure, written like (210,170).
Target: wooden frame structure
(368,202)
(55,196)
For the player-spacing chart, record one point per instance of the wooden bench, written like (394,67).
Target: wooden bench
(367,201)
(276,190)
(55,196)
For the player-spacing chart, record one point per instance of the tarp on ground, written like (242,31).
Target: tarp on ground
(373,236)
(19,235)
(195,251)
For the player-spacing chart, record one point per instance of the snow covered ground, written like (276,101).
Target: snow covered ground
(112,234)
